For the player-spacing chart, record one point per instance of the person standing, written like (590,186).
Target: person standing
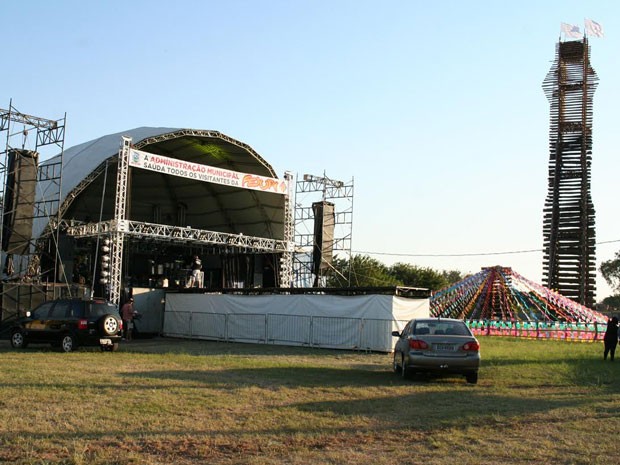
(611,339)
(127,313)
(195,276)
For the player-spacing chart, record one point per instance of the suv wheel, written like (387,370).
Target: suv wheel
(18,341)
(68,343)
(109,325)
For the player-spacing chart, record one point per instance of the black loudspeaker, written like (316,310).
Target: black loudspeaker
(19,199)
(323,247)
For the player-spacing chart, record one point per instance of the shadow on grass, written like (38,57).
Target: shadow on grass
(163,346)
(578,373)
(422,411)
(292,377)
(425,410)
(167,345)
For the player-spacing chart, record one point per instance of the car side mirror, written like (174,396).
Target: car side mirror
(396,333)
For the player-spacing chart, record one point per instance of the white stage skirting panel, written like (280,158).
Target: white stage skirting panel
(341,322)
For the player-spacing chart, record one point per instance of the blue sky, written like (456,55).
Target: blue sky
(435,109)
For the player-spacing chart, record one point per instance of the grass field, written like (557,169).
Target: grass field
(165,401)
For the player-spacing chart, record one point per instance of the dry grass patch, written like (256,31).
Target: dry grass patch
(192,402)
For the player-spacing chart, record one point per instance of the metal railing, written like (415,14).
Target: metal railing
(302,330)
(577,332)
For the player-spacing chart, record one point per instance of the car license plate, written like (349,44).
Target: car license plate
(105,342)
(445,347)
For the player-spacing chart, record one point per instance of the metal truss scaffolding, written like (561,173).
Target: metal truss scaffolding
(114,233)
(568,226)
(286,265)
(178,234)
(117,233)
(31,276)
(309,190)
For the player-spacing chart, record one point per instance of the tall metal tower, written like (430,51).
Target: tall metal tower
(29,271)
(568,225)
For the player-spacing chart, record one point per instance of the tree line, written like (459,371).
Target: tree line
(364,271)
(610,270)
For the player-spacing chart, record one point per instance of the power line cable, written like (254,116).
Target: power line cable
(478,254)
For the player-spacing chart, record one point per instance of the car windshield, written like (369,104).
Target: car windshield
(102,308)
(439,327)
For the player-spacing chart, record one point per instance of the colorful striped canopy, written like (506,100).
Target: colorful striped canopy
(499,293)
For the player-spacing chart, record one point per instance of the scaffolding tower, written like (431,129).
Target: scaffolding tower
(31,276)
(568,225)
(309,269)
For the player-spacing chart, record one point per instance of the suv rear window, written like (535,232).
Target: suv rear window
(62,309)
(42,311)
(102,308)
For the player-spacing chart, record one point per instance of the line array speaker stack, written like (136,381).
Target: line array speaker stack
(323,247)
(20,188)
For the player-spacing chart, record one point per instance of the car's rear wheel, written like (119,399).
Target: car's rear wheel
(395,364)
(109,325)
(68,343)
(18,340)
(472,378)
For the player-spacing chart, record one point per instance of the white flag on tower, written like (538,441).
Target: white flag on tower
(594,29)
(570,30)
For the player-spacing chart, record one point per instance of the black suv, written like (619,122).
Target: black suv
(70,323)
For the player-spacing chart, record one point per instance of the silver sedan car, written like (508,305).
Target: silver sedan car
(437,345)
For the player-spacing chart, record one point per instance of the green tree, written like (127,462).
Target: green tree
(415,276)
(364,271)
(609,304)
(452,276)
(610,270)
(369,272)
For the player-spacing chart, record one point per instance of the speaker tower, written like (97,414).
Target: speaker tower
(20,187)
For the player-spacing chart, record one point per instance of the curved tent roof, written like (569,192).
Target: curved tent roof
(160,198)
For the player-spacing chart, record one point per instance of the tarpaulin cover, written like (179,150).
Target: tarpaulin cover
(346,322)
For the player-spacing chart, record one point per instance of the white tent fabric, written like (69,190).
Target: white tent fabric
(79,161)
(208,206)
(343,322)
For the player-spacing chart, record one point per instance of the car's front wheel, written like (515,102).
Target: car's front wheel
(68,343)
(395,364)
(403,369)
(18,340)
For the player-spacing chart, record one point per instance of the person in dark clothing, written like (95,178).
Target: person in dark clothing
(195,276)
(127,314)
(611,339)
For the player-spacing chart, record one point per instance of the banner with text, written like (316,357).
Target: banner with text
(206,173)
